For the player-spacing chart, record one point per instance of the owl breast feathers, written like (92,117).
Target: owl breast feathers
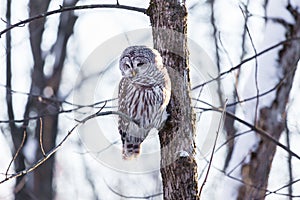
(144,93)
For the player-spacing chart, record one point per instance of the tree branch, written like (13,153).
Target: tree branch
(58,146)
(247,60)
(214,147)
(132,197)
(71,8)
(289,160)
(16,154)
(258,130)
(41,137)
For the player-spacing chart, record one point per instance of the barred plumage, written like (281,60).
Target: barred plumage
(144,92)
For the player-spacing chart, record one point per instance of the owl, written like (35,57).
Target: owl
(144,93)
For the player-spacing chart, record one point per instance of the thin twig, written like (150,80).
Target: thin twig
(214,146)
(55,100)
(283,187)
(47,100)
(58,146)
(16,154)
(216,45)
(247,60)
(41,137)
(132,197)
(88,174)
(268,192)
(232,138)
(71,8)
(282,80)
(289,160)
(256,64)
(258,130)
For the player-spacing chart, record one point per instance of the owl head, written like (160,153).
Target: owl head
(138,62)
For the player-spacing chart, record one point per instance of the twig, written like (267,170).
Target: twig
(247,60)
(16,154)
(232,138)
(88,174)
(219,148)
(258,130)
(71,8)
(47,100)
(246,19)
(55,100)
(41,137)
(58,146)
(289,160)
(261,94)
(216,45)
(214,146)
(283,187)
(229,123)
(268,192)
(131,197)
(97,114)
(107,147)
(256,63)
(234,178)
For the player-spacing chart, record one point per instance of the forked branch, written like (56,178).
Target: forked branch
(47,155)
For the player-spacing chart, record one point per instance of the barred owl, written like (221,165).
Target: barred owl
(144,93)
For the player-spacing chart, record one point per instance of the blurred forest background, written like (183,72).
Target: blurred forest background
(46,75)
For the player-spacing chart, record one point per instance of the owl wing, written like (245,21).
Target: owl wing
(132,134)
(123,123)
(162,102)
(145,106)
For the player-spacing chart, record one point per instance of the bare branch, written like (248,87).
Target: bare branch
(247,60)
(216,45)
(256,63)
(71,8)
(283,187)
(258,130)
(289,160)
(88,174)
(232,138)
(55,101)
(41,137)
(16,154)
(282,80)
(44,99)
(228,174)
(132,197)
(268,192)
(214,147)
(56,148)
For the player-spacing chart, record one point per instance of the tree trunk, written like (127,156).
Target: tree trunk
(272,119)
(178,165)
(15,131)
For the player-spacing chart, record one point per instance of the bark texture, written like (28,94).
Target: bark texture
(272,119)
(178,165)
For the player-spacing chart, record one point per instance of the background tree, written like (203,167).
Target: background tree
(272,118)
(41,85)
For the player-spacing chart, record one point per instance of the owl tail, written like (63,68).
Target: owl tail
(131,147)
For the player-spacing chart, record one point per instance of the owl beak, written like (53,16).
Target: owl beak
(133,73)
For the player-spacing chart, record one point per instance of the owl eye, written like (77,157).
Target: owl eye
(126,66)
(140,64)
